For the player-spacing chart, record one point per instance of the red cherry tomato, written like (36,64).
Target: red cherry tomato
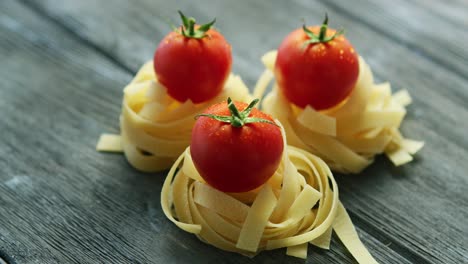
(193,62)
(316,66)
(233,155)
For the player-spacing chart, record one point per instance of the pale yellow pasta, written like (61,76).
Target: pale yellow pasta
(256,220)
(299,251)
(222,204)
(110,143)
(155,128)
(348,136)
(347,234)
(297,206)
(309,118)
(323,241)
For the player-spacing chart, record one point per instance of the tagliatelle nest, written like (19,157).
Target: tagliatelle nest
(295,207)
(348,136)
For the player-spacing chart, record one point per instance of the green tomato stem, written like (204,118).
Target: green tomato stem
(191,26)
(238,119)
(323,29)
(188,27)
(322,36)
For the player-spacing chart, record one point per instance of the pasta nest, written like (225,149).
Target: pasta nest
(298,205)
(348,136)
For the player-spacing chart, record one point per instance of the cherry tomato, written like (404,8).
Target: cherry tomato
(316,66)
(193,62)
(236,150)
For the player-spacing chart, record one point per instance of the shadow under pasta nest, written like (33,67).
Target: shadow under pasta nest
(382,169)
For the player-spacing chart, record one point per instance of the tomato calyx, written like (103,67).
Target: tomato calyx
(322,36)
(188,28)
(239,118)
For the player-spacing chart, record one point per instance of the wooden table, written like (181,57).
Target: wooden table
(63,67)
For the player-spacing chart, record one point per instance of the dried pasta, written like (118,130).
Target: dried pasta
(155,128)
(348,136)
(297,206)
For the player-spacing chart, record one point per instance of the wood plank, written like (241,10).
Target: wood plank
(417,28)
(454,13)
(61,201)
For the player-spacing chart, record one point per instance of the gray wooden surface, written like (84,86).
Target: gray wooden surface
(63,67)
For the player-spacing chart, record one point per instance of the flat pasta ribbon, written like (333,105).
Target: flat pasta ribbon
(155,128)
(348,136)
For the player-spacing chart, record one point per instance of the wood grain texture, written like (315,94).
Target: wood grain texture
(454,13)
(415,26)
(64,64)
